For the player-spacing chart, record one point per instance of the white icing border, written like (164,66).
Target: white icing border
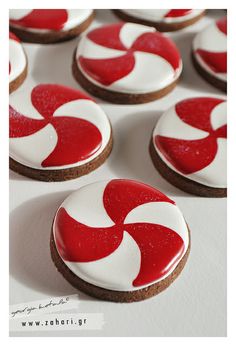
(17,59)
(103,272)
(75,18)
(170,125)
(151,72)
(22,149)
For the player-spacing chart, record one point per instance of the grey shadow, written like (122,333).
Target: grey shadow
(29,251)
(130,156)
(15,176)
(59,64)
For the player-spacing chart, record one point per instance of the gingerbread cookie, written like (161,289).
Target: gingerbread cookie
(127,63)
(57,133)
(162,20)
(127,244)
(209,53)
(17,63)
(188,146)
(49,25)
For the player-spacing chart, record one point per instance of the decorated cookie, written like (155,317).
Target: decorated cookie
(210,53)
(162,20)
(188,146)
(49,25)
(56,133)
(17,63)
(127,63)
(127,244)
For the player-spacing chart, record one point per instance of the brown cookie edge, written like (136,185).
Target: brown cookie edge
(62,174)
(160,26)
(217,83)
(16,83)
(180,181)
(117,97)
(53,36)
(110,295)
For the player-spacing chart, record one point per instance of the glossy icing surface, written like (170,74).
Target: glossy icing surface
(191,139)
(128,58)
(17,58)
(53,126)
(210,49)
(39,20)
(163,15)
(128,237)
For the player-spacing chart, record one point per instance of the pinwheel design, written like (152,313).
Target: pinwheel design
(77,138)
(15,47)
(215,59)
(177,13)
(190,156)
(161,247)
(50,19)
(118,58)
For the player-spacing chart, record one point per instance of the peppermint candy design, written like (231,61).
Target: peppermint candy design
(17,58)
(128,58)
(48,19)
(191,139)
(210,49)
(164,15)
(57,127)
(131,235)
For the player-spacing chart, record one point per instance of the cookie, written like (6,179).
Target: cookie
(17,63)
(127,244)
(49,25)
(162,20)
(56,133)
(209,53)
(189,147)
(127,63)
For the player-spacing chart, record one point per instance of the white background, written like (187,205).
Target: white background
(195,304)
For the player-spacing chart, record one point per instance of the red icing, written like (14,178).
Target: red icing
(189,156)
(160,247)
(43,19)
(216,61)
(177,13)
(77,139)
(108,71)
(13,37)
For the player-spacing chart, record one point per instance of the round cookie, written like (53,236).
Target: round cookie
(49,25)
(56,133)
(189,147)
(209,53)
(17,63)
(127,63)
(127,244)
(162,20)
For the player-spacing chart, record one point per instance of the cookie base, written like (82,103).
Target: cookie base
(16,83)
(160,26)
(115,296)
(117,97)
(219,84)
(52,36)
(181,182)
(62,174)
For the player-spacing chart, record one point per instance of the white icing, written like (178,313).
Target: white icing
(33,149)
(178,129)
(150,73)
(130,32)
(118,270)
(41,145)
(17,59)
(114,272)
(213,40)
(154,15)
(215,174)
(75,18)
